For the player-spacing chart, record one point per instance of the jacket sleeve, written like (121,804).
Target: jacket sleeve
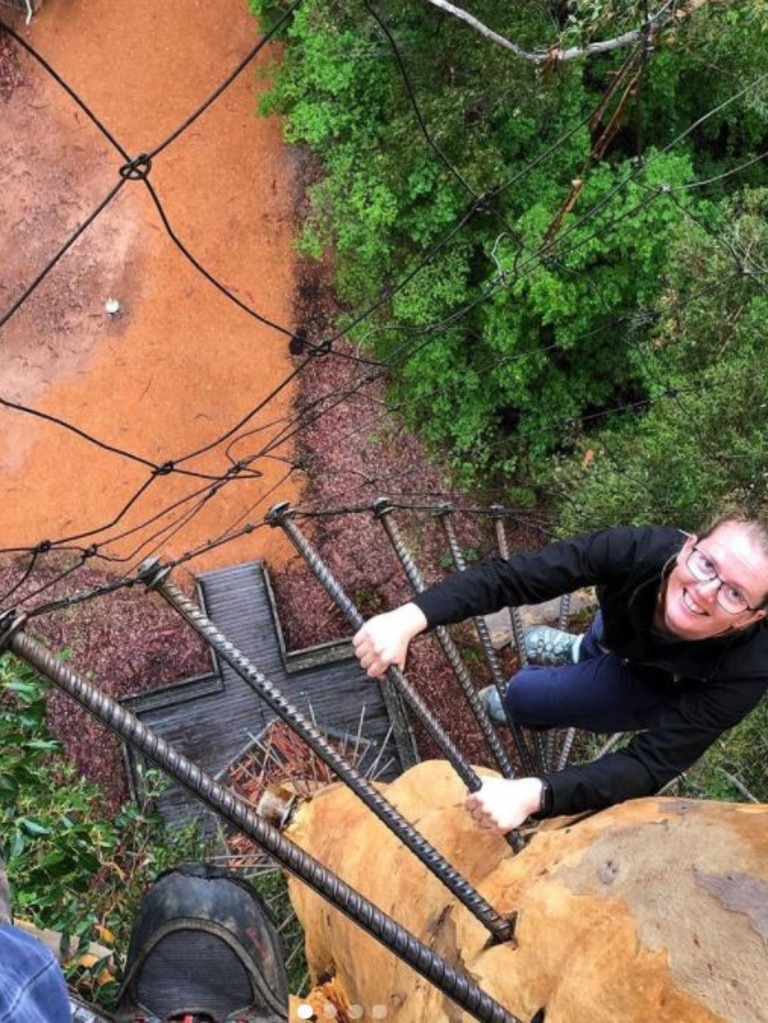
(587,559)
(652,758)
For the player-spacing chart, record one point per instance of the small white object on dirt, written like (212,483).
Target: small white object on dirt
(112,306)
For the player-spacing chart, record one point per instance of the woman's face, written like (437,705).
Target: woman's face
(690,607)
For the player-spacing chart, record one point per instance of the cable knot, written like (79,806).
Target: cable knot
(10,624)
(164,470)
(137,169)
(324,348)
(297,343)
(482,202)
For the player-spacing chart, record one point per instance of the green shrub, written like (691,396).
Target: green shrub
(71,868)
(701,441)
(734,768)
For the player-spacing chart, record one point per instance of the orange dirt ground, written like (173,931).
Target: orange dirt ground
(181,364)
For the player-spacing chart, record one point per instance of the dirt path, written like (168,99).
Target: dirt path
(180,364)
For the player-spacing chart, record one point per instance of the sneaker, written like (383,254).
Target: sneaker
(490,697)
(551,648)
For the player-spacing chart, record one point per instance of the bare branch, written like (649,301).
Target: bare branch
(739,785)
(573,52)
(478,26)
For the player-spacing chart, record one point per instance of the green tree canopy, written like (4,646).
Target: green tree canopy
(513,222)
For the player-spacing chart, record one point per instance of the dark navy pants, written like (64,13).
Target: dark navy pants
(599,693)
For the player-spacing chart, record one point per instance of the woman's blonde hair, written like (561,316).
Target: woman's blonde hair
(755,525)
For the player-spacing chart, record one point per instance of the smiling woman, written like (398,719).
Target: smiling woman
(678,653)
(718,582)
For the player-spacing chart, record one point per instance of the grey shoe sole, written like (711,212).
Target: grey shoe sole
(550,648)
(491,700)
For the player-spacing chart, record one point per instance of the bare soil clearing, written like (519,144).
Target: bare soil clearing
(180,364)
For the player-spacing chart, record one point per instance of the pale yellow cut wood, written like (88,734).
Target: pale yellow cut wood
(654,910)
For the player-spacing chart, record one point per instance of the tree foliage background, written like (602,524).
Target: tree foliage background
(567,256)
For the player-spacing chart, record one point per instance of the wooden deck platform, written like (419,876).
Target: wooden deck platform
(214,719)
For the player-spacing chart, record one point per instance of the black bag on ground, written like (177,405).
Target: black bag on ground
(203,945)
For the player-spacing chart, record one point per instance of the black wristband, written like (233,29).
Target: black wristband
(546,803)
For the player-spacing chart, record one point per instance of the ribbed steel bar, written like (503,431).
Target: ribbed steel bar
(383,511)
(514,612)
(551,758)
(156,578)
(609,745)
(518,635)
(463,991)
(444,514)
(565,749)
(563,611)
(570,734)
(280,515)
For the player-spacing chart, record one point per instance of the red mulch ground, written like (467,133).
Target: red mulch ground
(10,70)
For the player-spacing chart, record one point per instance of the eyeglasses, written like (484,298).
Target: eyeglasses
(728,597)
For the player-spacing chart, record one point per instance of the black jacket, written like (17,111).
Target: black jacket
(713,683)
